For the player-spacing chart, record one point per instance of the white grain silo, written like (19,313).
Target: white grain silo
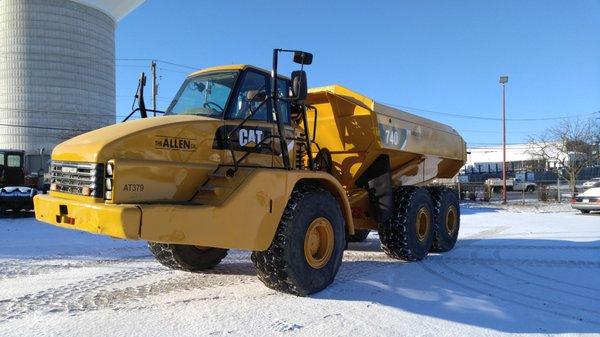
(57,70)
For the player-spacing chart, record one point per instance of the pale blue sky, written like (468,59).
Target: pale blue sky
(441,56)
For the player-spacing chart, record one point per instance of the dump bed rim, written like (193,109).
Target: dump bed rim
(383,109)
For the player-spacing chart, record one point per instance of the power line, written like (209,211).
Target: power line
(56,112)
(97,59)
(491,132)
(44,127)
(490,118)
(173,70)
(158,60)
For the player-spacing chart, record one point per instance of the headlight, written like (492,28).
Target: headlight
(110,167)
(108,184)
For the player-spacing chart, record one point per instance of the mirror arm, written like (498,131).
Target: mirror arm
(280,127)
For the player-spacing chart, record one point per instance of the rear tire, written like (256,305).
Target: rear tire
(446,224)
(584,211)
(359,235)
(408,234)
(186,257)
(290,264)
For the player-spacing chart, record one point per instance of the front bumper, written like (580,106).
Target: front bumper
(586,206)
(119,221)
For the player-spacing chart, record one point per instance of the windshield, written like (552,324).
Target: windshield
(205,95)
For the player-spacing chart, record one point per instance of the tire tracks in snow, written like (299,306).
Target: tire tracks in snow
(106,291)
(497,255)
(471,282)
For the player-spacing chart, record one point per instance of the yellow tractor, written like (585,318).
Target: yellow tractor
(247,159)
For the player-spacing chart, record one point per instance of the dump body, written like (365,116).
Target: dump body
(357,130)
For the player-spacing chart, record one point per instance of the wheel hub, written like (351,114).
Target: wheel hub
(318,243)
(422,224)
(451,220)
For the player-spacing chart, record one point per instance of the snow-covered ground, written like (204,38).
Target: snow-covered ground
(530,272)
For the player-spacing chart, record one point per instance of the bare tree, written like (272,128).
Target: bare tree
(570,145)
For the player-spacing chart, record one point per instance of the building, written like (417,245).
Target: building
(57,71)
(488,159)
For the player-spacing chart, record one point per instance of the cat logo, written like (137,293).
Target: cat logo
(250,137)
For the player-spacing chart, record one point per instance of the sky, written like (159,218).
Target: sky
(438,59)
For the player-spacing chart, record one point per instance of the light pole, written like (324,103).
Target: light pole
(503,81)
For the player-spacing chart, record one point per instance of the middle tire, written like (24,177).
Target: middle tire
(446,224)
(306,251)
(408,234)
(186,257)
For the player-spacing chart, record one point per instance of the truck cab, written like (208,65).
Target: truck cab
(231,94)
(12,172)
(16,192)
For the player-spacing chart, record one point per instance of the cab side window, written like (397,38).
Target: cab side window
(13,160)
(249,97)
(283,106)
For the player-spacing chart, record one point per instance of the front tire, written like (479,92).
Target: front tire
(408,234)
(584,211)
(306,252)
(186,257)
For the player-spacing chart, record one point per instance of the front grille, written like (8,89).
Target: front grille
(74,177)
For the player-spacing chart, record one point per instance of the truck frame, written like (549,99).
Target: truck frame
(247,159)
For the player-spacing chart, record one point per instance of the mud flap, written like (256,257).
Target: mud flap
(377,180)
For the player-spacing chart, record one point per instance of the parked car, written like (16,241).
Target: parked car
(594,182)
(587,201)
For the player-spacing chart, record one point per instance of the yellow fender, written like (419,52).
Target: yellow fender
(248,219)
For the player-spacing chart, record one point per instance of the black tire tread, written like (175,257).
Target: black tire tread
(437,193)
(394,237)
(271,266)
(173,256)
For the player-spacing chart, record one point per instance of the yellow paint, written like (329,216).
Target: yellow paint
(170,183)
(318,243)
(348,126)
(119,221)
(245,221)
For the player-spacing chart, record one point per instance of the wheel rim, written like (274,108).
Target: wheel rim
(451,220)
(422,224)
(318,243)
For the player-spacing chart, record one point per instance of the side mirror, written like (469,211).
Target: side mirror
(299,85)
(302,57)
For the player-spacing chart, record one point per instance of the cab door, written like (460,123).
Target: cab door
(254,139)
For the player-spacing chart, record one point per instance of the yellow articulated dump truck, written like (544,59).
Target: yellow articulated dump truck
(247,159)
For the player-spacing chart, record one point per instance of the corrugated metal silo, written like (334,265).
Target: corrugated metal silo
(57,70)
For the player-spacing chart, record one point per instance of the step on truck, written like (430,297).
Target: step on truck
(247,159)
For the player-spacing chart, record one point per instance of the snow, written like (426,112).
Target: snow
(515,270)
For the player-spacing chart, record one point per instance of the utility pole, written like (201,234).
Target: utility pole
(503,81)
(154,86)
